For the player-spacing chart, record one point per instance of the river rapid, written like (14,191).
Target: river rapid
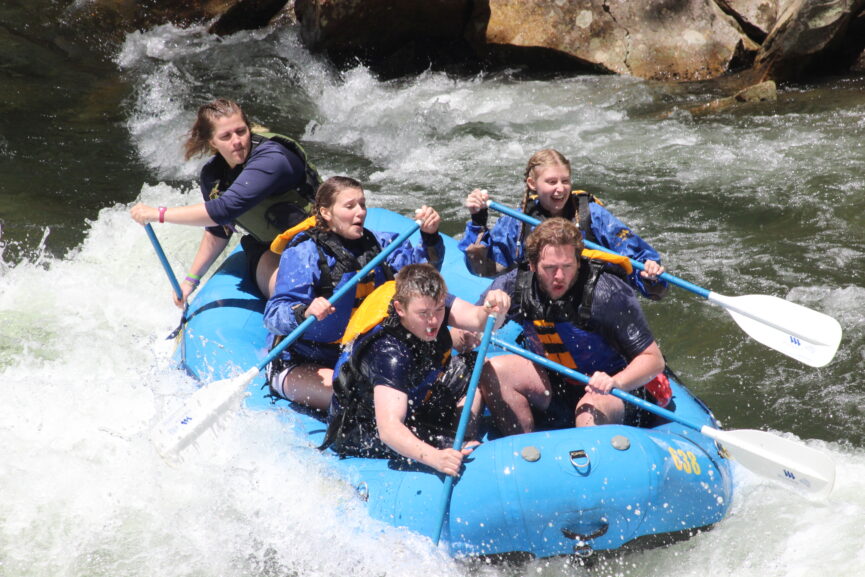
(763,200)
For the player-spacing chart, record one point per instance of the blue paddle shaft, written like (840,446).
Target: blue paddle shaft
(162,258)
(341,292)
(473,382)
(627,397)
(464,419)
(681,283)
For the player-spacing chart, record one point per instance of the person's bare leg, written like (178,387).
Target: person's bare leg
(594,409)
(265,273)
(511,386)
(310,385)
(476,409)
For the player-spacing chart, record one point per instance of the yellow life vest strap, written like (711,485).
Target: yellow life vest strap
(617,259)
(371,312)
(281,241)
(554,348)
(593,198)
(534,196)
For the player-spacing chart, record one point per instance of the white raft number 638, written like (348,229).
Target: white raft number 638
(685,461)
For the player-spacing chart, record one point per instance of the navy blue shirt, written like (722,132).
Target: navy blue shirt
(270,169)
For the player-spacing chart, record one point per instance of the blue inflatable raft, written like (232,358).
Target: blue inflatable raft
(543,494)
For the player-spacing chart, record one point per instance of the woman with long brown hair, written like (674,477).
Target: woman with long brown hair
(313,266)
(260,183)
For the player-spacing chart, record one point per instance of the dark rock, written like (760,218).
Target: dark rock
(247,15)
(413,32)
(813,37)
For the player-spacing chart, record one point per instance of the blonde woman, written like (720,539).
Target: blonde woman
(548,194)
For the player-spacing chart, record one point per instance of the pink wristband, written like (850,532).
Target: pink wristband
(162,210)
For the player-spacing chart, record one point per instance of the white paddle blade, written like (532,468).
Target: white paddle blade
(199,412)
(801,333)
(791,463)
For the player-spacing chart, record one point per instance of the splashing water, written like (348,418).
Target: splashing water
(85,369)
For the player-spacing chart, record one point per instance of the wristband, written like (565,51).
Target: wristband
(162,210)
(299,311)
(429,238)
(193,279)
(480,218)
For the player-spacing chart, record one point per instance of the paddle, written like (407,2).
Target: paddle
(801,333)
(169,272)
(768,455)
(162,258)
(203,408)
(464,420)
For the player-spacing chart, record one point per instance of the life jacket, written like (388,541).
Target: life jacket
(283,239)
(593,263)
(329,243)
(576,210)
(543,316)
(280,211)
(374,309)
(352,419)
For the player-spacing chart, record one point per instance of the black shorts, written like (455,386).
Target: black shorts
(253,250)
(279,368)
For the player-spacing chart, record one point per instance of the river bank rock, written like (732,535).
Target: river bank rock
(743,41)
(111,20)
(686,40)
(393,36)
(813,37)
(763,92)
(683,40)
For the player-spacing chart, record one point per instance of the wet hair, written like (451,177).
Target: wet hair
(553,232)
(541,159)
(419,280)
(325,196)
(198,140)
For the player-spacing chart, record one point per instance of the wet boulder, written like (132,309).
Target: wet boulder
(676,40)
(763,92)
(756,17)
(111,20)
(658,39)
(813,37)
(683,40)
(393,33)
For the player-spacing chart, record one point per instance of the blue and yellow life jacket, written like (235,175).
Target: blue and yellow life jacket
(548,323)
(576,210)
